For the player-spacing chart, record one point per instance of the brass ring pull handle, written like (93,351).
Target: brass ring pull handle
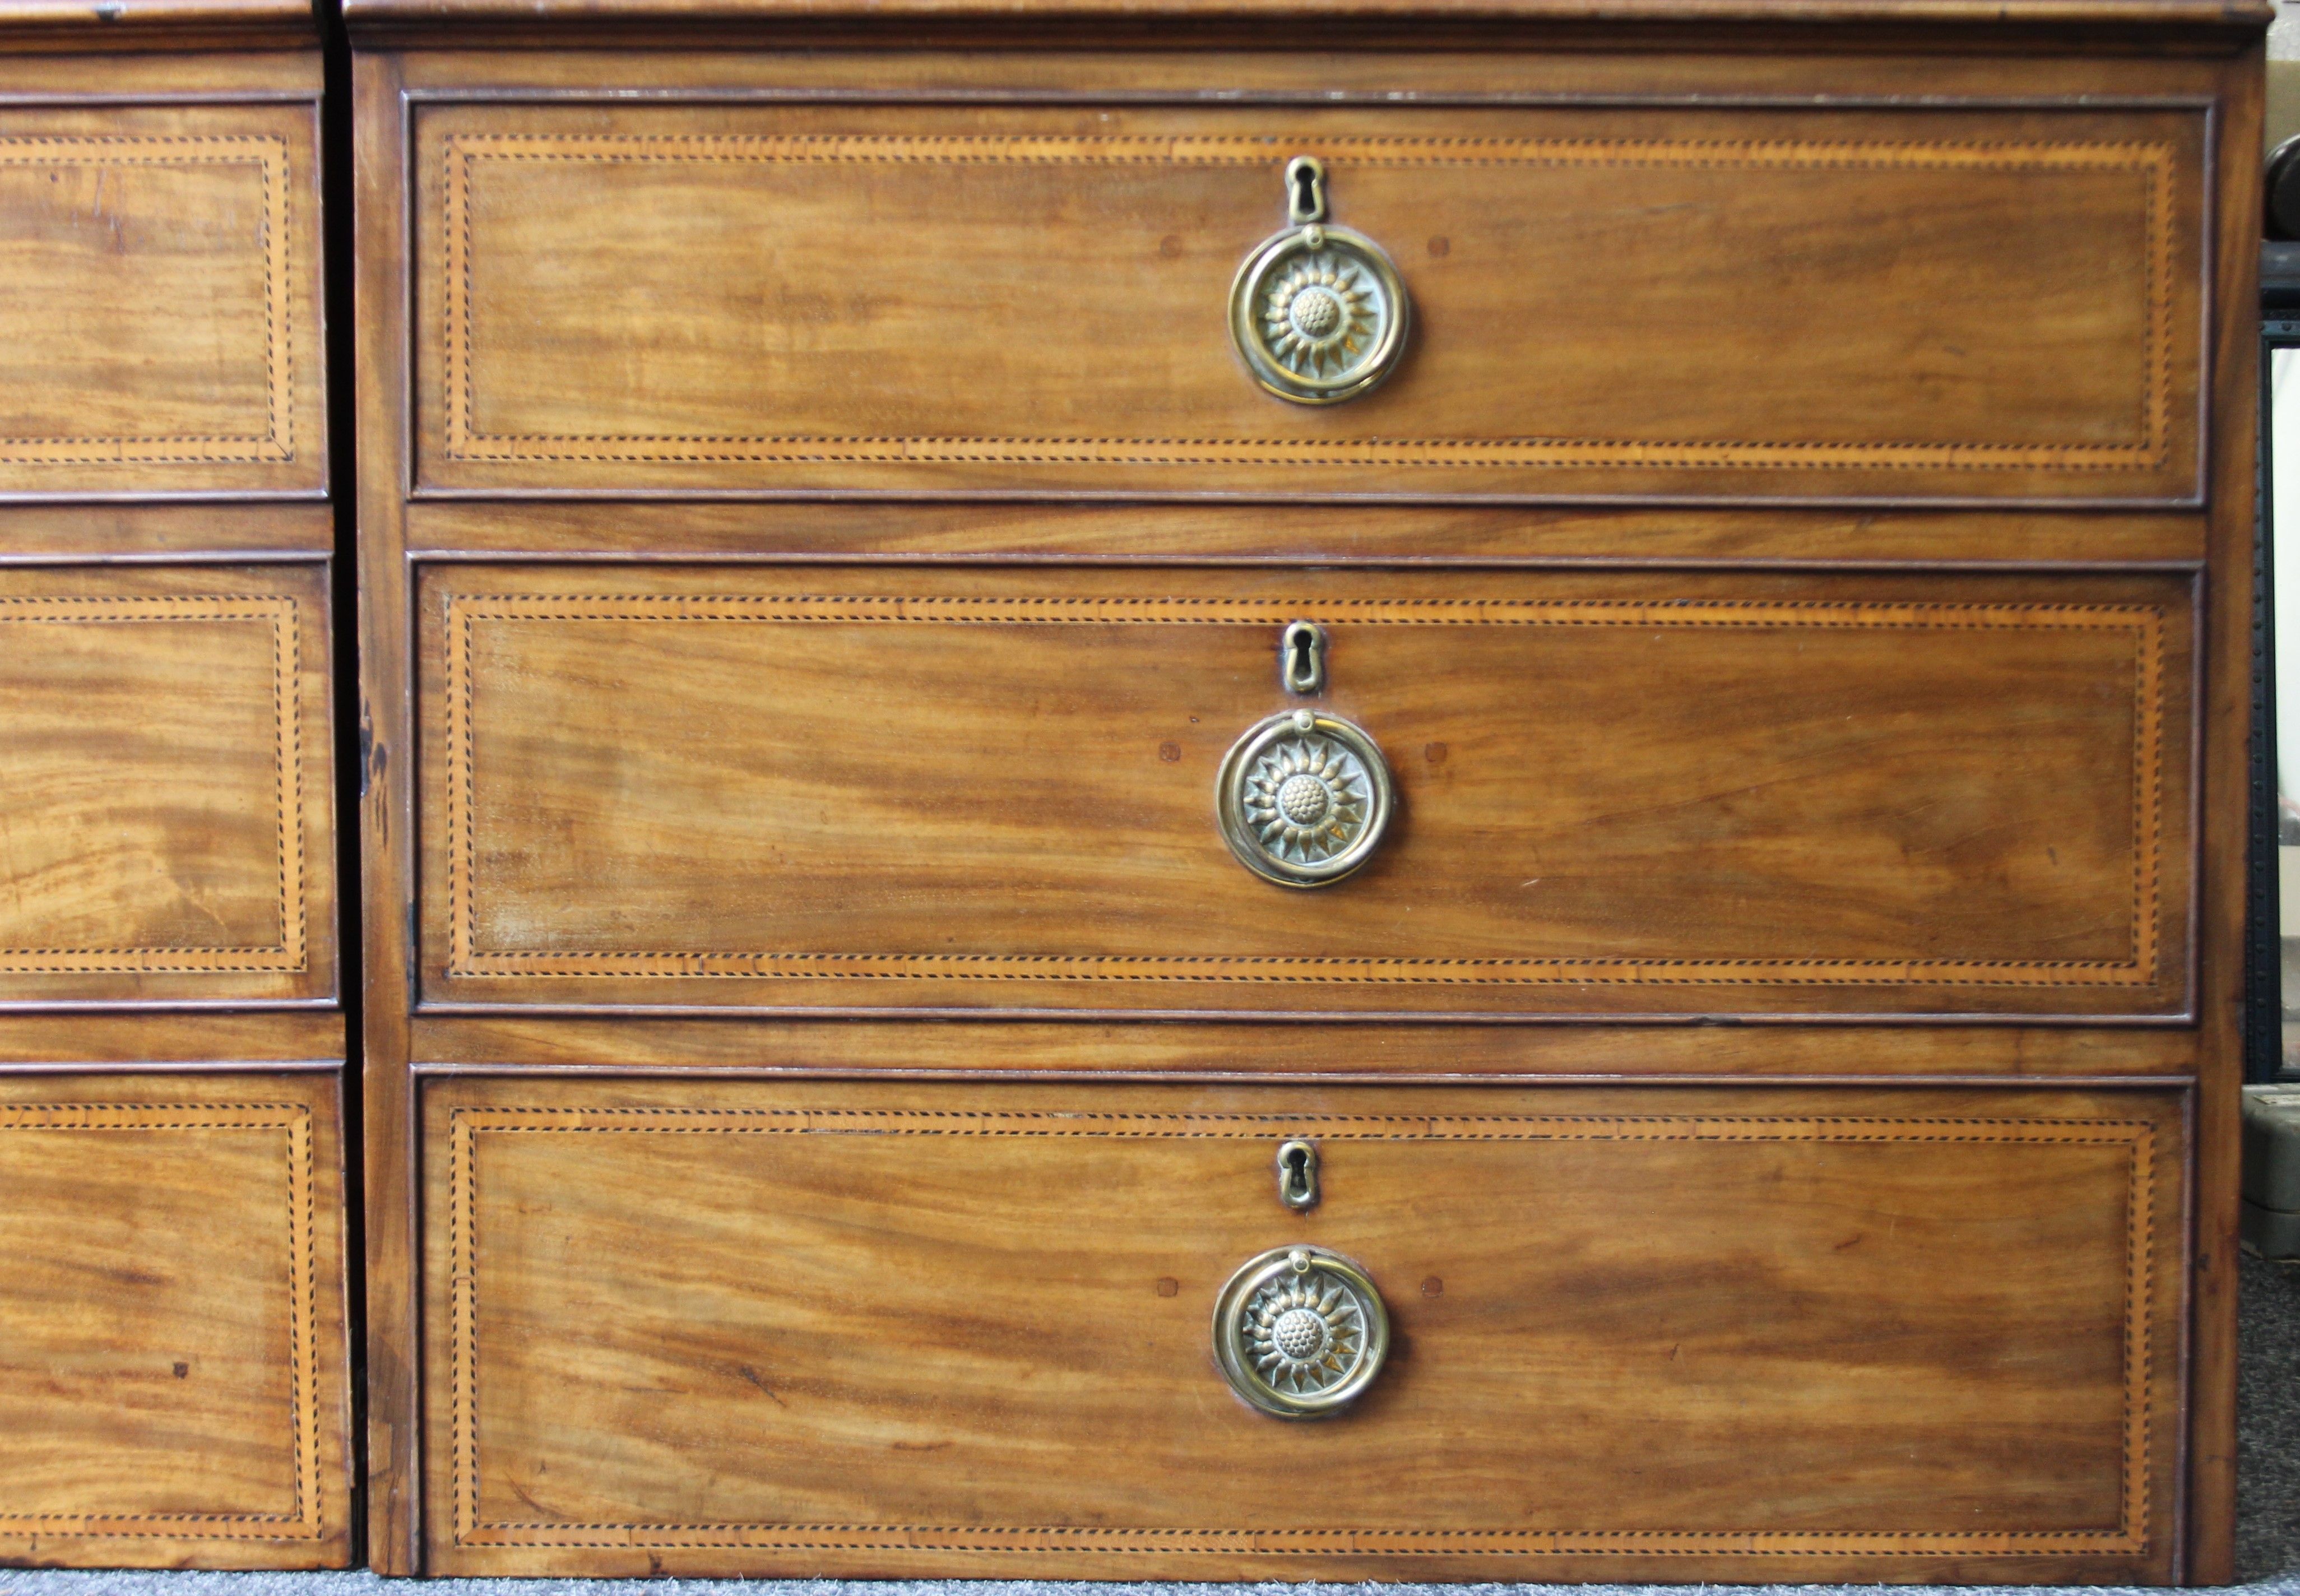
(1300,1332)
(1317,312)
(1304,798)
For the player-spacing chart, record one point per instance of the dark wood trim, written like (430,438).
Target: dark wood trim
(20,99)
(1863,1018)
(2199,686)
(190,557)
(1320,1078)
(1304,98)
(296,495)
(394,1474)
(2197,28)
(179,1066)
(2230,15)
(1065,562)
(62,28)
(944,496)
(166,1005)
(2234,218)
(2182,1449)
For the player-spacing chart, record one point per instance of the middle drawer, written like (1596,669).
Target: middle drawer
(1643,792)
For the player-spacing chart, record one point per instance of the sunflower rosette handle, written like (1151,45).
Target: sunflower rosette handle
(1317,312)
(1300,1332)
(1304,798)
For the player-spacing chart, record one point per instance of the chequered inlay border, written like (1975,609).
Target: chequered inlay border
(289,953)
(2128,1536)
(267,155)
(304,1520)
(2145,623)
(2151,166)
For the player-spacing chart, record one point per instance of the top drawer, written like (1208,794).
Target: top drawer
(1935,305)
(160,320)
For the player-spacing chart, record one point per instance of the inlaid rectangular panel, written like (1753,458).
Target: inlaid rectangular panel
(812,1328)
(1636,793)
(160,320)
(169,830)
(172,1367)
(1609,301)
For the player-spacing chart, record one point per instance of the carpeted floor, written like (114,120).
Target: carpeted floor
(2268,1519)
(2268,1425)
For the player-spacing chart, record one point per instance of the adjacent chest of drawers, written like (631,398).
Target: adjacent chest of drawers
(1326,794)
(174,1383)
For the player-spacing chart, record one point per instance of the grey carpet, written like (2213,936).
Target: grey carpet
(2267,1424)
(2268,1520)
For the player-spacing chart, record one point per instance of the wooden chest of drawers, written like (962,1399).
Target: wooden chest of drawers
(970,907)
(174,1377)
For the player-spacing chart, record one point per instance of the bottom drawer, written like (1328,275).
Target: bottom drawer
(1651,1333)
(174,1387)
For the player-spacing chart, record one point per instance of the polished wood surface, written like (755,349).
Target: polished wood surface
(2233,14)
(888,1327)
(874,789)
(673,717)
(56,26)
(624,1041)
(704,295)
(2226,792)
(161,327)
(24,16)
(395,1437)
(175,1377)
(1037,533)
(171,820)
(172,1368)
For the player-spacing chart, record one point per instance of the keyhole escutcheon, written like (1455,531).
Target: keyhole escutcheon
(1305,190)
(1302,658)
(1297,1175)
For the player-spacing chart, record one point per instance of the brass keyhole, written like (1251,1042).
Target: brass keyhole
(1305,190)
(1297,1175)
(1302,658)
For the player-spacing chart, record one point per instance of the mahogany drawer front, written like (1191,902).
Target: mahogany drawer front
(165,732)
(843,1329)
(173,1373)
(1655,791)
(700,295)
(160,313)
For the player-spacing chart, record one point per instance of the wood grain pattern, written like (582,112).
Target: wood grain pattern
(37,15)
(1986,66)
(174,1357)
(2226,779)
(2234,15)
(626,1043)
(729,67)
(930,788)
(172,1365)
(961,1313)
(169,824)
(101,1039)
(755,339)
(81,25)
(159,331)
(379,380)
(36,533)
(1289,534)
